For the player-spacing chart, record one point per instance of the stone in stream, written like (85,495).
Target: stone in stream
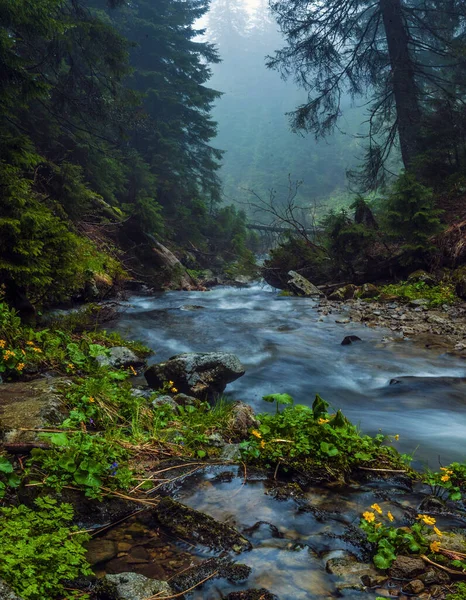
(120,357)
(407,567)
(203,375)
(198,528)
(132,586)
(254,594)
(352,574)
(301,286)
(349,339)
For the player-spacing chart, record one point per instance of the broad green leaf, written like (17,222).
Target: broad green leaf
(5,465)
(88,479)
(59,439)
(329,449)
(279,398)
(319,407)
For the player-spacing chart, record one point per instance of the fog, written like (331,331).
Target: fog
(261,150)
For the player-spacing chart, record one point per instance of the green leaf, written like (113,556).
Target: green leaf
(87,479)
(455,496)
(329,449)
(201,453)
(98,350)
(382,562)
(5,465)
(339,420)
(13,480)
(279,398)
(363,456)
(59,439)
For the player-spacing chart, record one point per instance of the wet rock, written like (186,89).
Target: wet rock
(231,452)
(414,587)
(350,571)
(216,440)
(242,420)
(301,286)
(344,293)
(142,393)
(192,307)
(165,401)
(255,594)
(199,528)
(30,405)
(368,290)
(421,276)
(203,375)
(407,567)
(6,593)
(285,491)
(432,576)
(120,357)
(132,586)
(100,550)
(349,339)
(343,321)
(222,568)
(419,303)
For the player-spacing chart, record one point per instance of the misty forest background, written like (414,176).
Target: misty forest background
(125,126)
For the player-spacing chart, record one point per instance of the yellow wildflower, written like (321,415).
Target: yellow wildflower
(323,421)
(256,433)
(377,508)
(91,399)
(23,352)
(2,343)
(377,525)
(71,366)
(174,390)
(133,370)
(435,546)
(262,443)
(37,350)
(30,343)
(20,366)
(437,530)
(369,516)
(391,518)
(171,383)
(426,519)
(397,436)
(445,477)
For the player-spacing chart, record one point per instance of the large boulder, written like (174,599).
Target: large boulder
(300,286)
(368,290)
(343,293)
(29,405)
(203,375)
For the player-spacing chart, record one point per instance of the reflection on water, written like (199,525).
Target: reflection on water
(287,346)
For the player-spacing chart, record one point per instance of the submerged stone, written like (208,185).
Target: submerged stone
(199,528)
(256,594)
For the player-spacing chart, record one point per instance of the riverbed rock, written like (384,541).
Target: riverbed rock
(421,276)
(219,568)
(6,593)
(29,405)
(100,550)
(368,290)
(414,587)
(199,528)
(343,293)
(301,286)
(132,586)
(255,594)
(407,567)
(203,375)
(242,420)
(165,401)
(350,339)
(120,357)
(352,574)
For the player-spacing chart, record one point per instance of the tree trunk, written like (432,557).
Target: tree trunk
(404,84)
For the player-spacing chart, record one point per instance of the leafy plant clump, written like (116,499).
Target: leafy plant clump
(448,482)
(299,433)
(41,550)
(24,349)
(436,295)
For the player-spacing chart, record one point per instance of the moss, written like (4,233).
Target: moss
(436,295)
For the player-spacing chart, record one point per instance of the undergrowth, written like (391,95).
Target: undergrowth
(436,295)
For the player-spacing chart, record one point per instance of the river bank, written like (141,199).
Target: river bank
(310,531)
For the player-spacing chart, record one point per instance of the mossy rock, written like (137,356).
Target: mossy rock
(368,290)
(346,292)
(422,276)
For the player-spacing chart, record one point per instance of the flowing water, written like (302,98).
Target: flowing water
(287,346)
